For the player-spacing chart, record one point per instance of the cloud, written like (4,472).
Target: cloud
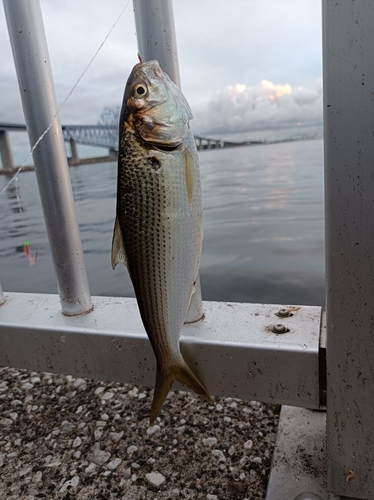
(267,106)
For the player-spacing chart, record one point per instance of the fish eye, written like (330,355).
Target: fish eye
(140,91)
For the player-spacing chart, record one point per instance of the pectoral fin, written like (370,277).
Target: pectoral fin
(118,250)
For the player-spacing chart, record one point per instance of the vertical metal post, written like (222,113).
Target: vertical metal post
(2,298)
(6,151)
(74,152)
(348,66)
(28,40)
(155,30)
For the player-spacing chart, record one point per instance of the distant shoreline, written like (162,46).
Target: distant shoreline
(71,163)
(106,159)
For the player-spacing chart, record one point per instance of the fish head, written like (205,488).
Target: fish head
(155,107)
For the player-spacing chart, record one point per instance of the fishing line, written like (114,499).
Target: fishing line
(14,178)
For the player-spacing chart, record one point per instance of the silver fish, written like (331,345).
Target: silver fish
(158,231)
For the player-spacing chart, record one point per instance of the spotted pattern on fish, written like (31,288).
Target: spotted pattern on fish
(145,217)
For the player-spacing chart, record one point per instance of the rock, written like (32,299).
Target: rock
(90,468)
(77,454)
(98,456)
(113,464)
(116,436)
(219,454)
(27,386)
(98,435)
(132,449)
(25,471)
(16,402)
(5,422)
(67,427)
(142,395)
(127,473)
(153,430)
(175,493)
(72,482)
(77,442)
(219,407)
(53,463)
(104,417)
(211,497)
(231,451)
(79,382)
(238,486)
(99,390)
(155,479)
(227,420)
(210,441)
(35,380)
(107,395)
(253,476)
(257,460)
(248,444)
(38,477)
(133,393)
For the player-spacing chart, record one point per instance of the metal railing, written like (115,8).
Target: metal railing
(240,349)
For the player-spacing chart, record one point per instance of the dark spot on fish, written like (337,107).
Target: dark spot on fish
(153,162)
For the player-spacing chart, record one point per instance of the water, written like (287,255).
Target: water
(263,218)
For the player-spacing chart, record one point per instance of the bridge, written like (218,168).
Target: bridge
(104,135)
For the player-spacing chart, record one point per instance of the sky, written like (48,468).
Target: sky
(250,69)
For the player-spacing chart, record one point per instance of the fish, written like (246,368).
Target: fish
(158,231)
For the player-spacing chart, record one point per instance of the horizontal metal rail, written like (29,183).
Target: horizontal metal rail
(233,348)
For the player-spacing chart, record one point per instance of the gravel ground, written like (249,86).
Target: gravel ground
(71,438)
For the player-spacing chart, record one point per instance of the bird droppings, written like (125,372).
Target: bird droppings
(70,438)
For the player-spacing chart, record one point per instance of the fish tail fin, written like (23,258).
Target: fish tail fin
(183,374)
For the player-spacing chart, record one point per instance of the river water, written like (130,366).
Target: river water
(263,219)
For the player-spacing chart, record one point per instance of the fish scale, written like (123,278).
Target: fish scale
(147,233)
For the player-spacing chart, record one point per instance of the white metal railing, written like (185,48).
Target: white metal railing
(29,46)
(239,348)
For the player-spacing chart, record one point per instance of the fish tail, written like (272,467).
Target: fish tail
(183,374)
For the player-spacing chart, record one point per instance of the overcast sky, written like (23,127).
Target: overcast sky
(249,68)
